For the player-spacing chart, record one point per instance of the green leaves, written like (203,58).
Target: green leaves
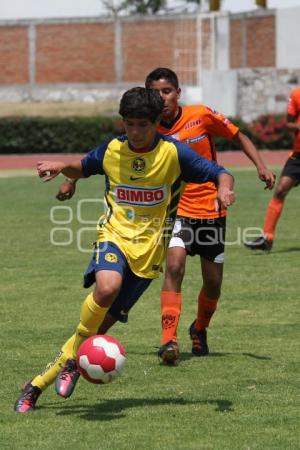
(55,135)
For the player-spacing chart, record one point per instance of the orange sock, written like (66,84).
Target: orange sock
(273,213)
(206,309)
(170,313)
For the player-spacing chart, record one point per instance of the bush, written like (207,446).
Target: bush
(270,131)
(81,134)
(55,135)
(223,144)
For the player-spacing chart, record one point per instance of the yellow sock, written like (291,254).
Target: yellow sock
(53,368)
(67,348)
(50,373)
(91,318)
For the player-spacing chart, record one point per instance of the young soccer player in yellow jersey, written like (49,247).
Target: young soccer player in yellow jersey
(145,173)
(200,229)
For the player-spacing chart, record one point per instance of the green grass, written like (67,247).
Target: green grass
(245,395)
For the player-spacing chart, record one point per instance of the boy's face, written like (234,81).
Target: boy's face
(170,96)
(140,132)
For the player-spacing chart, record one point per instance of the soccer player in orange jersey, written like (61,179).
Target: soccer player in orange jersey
(290,177)
(200,226)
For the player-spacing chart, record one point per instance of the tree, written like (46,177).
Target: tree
(214,5)
(145,6)
(117,7)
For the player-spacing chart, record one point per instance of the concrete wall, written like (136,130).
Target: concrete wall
(249,93)
(288,38)
(241,64)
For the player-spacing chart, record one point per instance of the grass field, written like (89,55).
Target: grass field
(57,109)
(245,395)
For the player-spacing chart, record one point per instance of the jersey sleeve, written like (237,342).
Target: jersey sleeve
(292,106)
(218,125)
(195,169)
(92,163)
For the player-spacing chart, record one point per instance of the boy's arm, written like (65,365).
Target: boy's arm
(47,170)
(249,149)
(195,169)
(291,123)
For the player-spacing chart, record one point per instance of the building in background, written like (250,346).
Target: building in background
(243,64)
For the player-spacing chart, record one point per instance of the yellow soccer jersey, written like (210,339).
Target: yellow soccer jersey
(142,194)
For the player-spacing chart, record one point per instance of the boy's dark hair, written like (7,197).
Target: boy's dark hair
(141,103)
(162,72)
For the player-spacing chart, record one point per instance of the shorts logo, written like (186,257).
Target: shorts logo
(111,257)
(138,165)
(219,258)
(139,196)
(168,320)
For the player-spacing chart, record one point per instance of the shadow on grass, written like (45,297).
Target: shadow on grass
(186,356)
(116,409)
(287,250)
(250,355)
(273,252)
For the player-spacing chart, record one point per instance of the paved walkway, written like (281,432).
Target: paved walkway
(231,158)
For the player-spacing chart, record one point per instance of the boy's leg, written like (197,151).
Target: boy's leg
(171,301)
(207,304)
(212,238)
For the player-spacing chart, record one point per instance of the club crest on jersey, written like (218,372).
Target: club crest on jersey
(138,165)
(139,196)
(111,257)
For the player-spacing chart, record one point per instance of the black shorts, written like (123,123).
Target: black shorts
(204,237)
(292,167)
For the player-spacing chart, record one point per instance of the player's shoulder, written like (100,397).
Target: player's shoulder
(194,109)
(295,93)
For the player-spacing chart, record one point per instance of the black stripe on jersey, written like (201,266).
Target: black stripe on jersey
(172,211)
(109,211)
(175,194)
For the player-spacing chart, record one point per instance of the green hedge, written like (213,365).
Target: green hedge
(80,134)
(55,135)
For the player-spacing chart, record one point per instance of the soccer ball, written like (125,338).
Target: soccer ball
(100,359)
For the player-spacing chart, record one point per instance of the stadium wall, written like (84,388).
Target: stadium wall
(90,59)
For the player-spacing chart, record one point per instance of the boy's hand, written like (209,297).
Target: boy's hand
(267,177)
(225,198)
(66,190)
(47,170)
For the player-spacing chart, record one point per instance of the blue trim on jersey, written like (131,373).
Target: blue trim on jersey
(194,168)
(92,163)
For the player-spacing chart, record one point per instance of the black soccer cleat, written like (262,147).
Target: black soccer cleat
(28,398)
(67,378)
(261,243)
(199,341)
(169,353)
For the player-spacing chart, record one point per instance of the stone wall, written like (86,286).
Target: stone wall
(264,91)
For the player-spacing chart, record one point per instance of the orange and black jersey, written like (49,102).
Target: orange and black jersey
(294,110)
(196,125)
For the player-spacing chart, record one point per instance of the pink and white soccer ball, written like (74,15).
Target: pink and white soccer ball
(100,359)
